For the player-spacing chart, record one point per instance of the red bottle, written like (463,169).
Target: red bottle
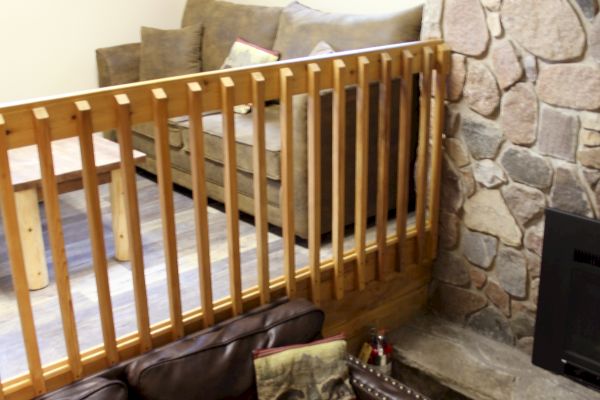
(381,352)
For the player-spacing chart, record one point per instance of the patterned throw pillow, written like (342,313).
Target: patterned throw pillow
(243,54)
(312,371)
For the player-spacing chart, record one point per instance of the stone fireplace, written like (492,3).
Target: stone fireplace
(522,134)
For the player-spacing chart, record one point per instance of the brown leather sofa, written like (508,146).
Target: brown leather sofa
(292,30)
(217,363)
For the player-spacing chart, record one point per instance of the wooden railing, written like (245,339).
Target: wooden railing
(41,122)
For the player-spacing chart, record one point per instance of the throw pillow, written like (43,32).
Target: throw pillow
(301,27)
(170,52)
(316,370)
(243,54)
(322,48)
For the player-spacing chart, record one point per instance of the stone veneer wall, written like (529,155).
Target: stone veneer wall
(522,133)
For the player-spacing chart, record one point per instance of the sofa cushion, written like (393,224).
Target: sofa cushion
(170,52)
(301,28)
(97,388)
(224,22)
(217,363)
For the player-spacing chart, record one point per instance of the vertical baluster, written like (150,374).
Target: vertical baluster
(339,175)
(200,200)
(96,229)
(314,180)
(1,390)
(425,107)
(404,144)
(19,278)
(260,185)
(362,168)
(287,182)
(231,194)
(443,65)
(383,160)
(167,209)
(124,136)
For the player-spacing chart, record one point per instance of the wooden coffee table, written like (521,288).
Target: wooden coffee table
(26,178)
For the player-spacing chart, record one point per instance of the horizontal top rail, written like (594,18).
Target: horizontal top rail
(62,110)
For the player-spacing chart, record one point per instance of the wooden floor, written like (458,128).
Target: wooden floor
(45,303)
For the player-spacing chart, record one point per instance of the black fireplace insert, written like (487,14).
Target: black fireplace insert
(567,332)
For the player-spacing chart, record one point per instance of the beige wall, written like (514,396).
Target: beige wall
(47,47)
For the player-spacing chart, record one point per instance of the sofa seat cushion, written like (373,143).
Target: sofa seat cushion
(224,22)
(217,363)
(96,388)
(244,133)
(301,28)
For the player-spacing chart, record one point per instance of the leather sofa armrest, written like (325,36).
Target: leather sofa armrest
(118,64)
(370,384)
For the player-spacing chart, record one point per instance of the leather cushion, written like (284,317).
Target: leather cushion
(224,22)
(170,52)
(301,28)
(96,388)
(217,363)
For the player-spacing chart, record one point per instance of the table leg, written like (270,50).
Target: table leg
(30,231)
(119,216)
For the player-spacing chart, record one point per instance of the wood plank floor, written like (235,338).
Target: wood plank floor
(45,303)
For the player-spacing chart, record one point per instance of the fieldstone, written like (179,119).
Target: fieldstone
(530,67)
(478,248)
(588,7)
(468,182)
(451,268)
(498,296)
(568,193)
(464,27)
(534,238)
(534,264)
(524,166)
(486,212)
(519,114)
(452,118)
(457,151)
(592,176)
(522,325)
(478,277)
(525,345)
(534,292)
(550,29)
(482,139)
(511,269)
(590,157)
(558,134)
(492,5)
(594,40)
(505,64)
(590,120)
(456,303)
(488,173)
(451,191)
(494,24)
(597,197)
(570,85)
(449,232)
(490,322)
(524,202)
(481,91)
(456,80)
(590,138)
(432,18)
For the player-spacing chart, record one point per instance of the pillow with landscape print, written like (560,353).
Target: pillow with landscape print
(243,54)
(170,52)
(317,370)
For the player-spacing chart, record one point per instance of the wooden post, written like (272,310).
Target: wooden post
(119,216)
(231,194)
(260,185)
(287,180)
(338,208)
(314,180)
(362,169)
(200,201)
(124,134)
(17,266)
(167,208)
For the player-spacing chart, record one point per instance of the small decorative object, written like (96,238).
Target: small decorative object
(381,351)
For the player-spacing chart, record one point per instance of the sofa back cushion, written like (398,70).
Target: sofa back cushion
(217,363)
(96,388)
(301,28)
(224,22)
